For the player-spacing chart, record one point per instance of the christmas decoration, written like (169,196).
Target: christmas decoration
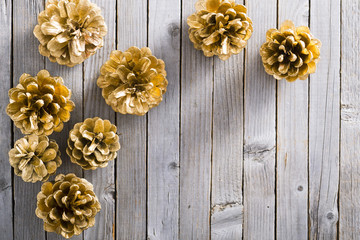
(93,143)
(39,105)
(291,52)
(70,31)
(68,206)
(219,27)
(34,158)
(133,81)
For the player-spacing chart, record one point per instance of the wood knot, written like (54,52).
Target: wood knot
(174,30)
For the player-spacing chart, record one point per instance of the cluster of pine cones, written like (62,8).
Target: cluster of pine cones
(132,82)
(38,106)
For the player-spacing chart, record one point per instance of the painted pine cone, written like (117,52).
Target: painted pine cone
(39,105)
(134,81)
(220,27)
(291,52)
(68,206)
(34,158)
(93,143)
(70,31)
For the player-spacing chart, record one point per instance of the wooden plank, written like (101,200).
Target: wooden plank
(350,122)
(163,125)
(6,186)
(94,106)
(26,59)
(131,164)
(324,122)
(259,133)
(227,164)
(73,79)
(195,129)
(292,142)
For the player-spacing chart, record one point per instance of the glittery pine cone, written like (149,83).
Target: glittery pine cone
(68,206)
(70,31)
(39,105)
(134,81)
(219,27)
(291,52)
(34,158)
(93,143)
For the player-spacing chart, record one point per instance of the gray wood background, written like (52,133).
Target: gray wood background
(230,153)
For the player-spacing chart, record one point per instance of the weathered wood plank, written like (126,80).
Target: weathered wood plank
(131,164)
(227,163)
(73,79)
(6,192)
(292,142)
(350,122)
(324,122)
(195,146)
(163,125)
(26,59)
(259,133)
(95,106)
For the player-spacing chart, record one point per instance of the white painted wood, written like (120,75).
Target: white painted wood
(163,125)
(226,223)
(131,163)
(195,143)
(6,187)
(94,106)
(350,122)
(259,130)
(26,59)
(324,122)
(292,141)
(73,79)
(227,162)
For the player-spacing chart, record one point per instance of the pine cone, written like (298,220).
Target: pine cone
(134,81)
(68,206)
(39,105)
(291,53)
(34,158)
(219,27)
(93,143)
(70,31)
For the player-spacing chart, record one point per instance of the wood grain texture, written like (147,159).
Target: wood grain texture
(26,59)
(195,145)
(103,179)
(6,186)
(163,125)
(259,130)
(350,122)
(292,141)
(73,79)
(220,157)
(324,122)
(131,164)
(227,162)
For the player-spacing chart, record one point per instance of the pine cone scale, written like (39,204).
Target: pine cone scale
(35,158)
(93,143)
(219,28)
(290,52)
(70,31)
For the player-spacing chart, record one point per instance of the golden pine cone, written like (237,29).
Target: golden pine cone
(68,206)
(291,52)
(70,31)
(220,27)
(39,105)
(134,81)
(93,143)
(34,158)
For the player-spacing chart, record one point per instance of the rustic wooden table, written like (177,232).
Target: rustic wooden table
(230,153)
